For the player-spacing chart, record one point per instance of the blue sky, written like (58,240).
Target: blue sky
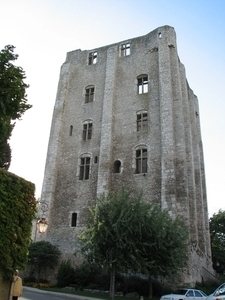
(43,31)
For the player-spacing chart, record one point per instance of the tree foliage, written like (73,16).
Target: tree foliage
(125,231)
(43,255)
(217,233)
(17,210)
(112,229)
(163,244)
(13,100)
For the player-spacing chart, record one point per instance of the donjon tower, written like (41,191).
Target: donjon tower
(125,116)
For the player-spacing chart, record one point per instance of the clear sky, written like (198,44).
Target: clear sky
(43,31)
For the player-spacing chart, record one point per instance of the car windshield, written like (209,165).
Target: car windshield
(180,292)
(220,290)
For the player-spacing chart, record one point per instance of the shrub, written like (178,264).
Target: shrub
(66,274)
(91,274)
(42,256)
(131,283)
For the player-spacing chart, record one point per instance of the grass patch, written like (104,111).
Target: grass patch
(89,294)
(79,293)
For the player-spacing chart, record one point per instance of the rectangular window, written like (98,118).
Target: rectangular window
(84,168)
(89,94)
(142,122)
(125,49)
(87,131)
(143,85)
(74,220)
(71,130)
(92,58)
(141,161)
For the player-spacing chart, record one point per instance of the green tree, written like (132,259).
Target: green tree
(43,255)
(126,233)
(217,233)
(5,150)
(13,100)
(112,231)
(163,245)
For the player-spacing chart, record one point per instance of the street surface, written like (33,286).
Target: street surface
(35,294)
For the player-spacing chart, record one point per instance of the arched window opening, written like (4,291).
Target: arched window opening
(142,121)
(141,161)
(84,167)
(142,84)
(87,130)
(117,166)
(89,94)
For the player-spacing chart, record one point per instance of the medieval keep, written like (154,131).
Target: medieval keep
(125,116)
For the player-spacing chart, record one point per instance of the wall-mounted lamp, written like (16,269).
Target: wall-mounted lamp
(42,224)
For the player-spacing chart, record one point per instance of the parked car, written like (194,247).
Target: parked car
(185,294)
(218,294)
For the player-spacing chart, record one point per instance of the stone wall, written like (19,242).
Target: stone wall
(4,288)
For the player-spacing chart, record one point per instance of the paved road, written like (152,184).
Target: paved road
(36,294)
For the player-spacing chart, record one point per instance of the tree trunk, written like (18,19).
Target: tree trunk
(150,287)
(112,281)
(4,288)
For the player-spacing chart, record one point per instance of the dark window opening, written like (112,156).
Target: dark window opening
(87,131)
(71,130)
(92,58)
(117,166)
(141,161)
(142,122)
(89,94)
(74,220)
(96,159)
(125,49)
(142,82)
(84,168)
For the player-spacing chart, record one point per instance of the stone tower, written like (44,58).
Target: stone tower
(125,116)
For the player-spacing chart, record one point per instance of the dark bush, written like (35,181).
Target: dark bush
(66,274)
(29,279)
(92,275)
(42,256)
(131,283)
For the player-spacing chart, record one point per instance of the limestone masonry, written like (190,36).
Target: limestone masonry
(125,117)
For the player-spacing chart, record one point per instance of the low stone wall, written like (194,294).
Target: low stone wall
(4,288)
